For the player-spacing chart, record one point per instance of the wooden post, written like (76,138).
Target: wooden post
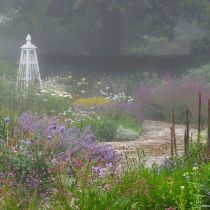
(187,131)
(185,141)
(172,143)
(173,127)
(208,143)
(199,119)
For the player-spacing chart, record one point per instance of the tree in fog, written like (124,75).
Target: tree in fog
(94,26)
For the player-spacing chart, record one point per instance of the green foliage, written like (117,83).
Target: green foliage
(128,122)
(6,68)
(30,166)
(2,131)
(127,134)
(108,128)
(43,103)
(177,185)
(85,27)
(15,101)
(200,46)
(105,130)
(181,183)
(160,46)
(202,73)
(7,93)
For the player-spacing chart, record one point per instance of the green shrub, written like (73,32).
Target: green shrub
(105,130)
(128,122)
(202,73)
(108,127)
(125,134)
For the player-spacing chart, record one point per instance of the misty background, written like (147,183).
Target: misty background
(115,36)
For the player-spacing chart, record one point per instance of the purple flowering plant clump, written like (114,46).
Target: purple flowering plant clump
(157,99)
(42,145)
(86,153)
(71,139)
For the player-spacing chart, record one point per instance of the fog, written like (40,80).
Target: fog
(101,35)
(104,104)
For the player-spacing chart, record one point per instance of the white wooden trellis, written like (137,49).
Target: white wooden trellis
(28,72)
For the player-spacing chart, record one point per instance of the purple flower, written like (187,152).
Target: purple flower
(53,127)
(32,182)
(49,138)
(109,165)
(100,171)
(7,120)
(62,156)
(28,122)
(96,168)
(62,128)
(71,141)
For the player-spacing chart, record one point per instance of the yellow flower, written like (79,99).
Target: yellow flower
(92,101)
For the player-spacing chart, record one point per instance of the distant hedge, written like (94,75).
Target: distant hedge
(86,65)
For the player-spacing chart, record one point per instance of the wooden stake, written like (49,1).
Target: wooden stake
(173,127)
(199,119)
(208,143)
(187,131)
(185,141)
(172,143)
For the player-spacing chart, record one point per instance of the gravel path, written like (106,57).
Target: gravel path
(154,141)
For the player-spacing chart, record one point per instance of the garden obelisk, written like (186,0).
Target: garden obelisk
(28,73)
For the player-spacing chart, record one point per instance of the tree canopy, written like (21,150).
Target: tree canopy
(94,26)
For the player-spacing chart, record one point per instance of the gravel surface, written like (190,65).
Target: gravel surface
(154,141)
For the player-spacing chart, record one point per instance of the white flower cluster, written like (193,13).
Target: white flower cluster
(55,89)
(121,97)
(74,116)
